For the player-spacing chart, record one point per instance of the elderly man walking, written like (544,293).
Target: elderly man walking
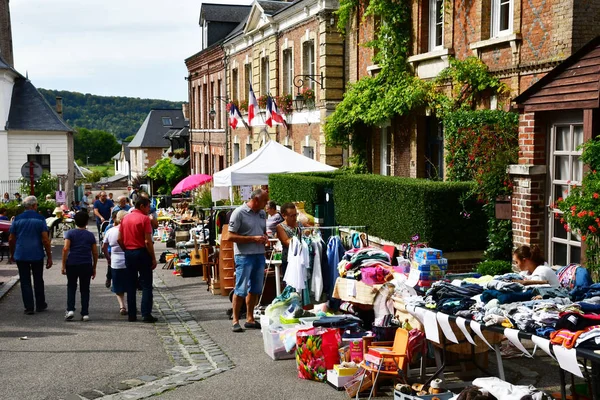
(248,232)
(135,238)
(102,209)
(27,241)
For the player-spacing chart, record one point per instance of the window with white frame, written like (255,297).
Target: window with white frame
(264,76)
(386,151)
(308,62)
(502,17)
(288,72)
(566,171)
(436,24)
(235,84)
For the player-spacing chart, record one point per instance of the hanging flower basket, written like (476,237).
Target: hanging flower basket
(309,97)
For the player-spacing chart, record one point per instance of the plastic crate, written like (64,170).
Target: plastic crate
(190,270)
(442,396)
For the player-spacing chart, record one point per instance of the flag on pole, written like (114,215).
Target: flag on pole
(273,114)
(234,116)
(252,106)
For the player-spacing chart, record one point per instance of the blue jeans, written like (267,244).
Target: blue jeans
(249,273)
(83,273)
(139,266)
(26,269)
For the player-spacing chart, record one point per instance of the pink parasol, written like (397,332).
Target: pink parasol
(191,182)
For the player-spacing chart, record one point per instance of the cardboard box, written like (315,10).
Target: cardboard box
(427,253)
(355,349)
(345,371)
(337,381)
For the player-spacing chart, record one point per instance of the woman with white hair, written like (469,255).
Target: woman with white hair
(116,260)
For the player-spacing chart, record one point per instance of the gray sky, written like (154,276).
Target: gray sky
(130,48)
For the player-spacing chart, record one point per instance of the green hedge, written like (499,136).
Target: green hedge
(308,188)
(396,208)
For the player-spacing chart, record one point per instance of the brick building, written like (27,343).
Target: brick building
(273,42)
(519,41)
(557,114)
(207,88)
(280,41)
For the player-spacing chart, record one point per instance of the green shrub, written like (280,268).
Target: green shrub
(44,207)
(396,208)
(308,188)
(494,267)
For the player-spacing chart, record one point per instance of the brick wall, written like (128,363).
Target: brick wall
(152,155)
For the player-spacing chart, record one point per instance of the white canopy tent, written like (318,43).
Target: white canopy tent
(272,158)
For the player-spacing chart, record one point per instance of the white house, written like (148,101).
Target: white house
(30,129)
(122,161)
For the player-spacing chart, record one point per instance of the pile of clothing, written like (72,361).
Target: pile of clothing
(369,264)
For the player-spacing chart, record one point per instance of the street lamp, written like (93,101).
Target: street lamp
(37,148)
(87,161)
(212,114)
(299,80)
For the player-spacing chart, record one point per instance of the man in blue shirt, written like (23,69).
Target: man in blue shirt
(102,210)
(122,204)
(27,241)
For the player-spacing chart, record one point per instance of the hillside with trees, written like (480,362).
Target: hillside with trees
(121,116)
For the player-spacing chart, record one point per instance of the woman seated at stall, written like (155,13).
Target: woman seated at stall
(530,261)
(286,230)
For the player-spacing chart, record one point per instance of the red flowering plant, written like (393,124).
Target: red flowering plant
(285,104)
(479,146)
(580,209)
(309,97)
(262,101)
(243,105)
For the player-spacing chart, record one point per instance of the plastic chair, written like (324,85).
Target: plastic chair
(397,353)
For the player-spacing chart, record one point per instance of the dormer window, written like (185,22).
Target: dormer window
(167,121)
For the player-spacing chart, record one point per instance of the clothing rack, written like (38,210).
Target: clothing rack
(337,228)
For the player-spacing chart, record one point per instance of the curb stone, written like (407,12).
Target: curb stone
(4,289)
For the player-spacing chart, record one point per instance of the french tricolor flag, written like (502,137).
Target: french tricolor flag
(252,106)
(234,116)
(273,115)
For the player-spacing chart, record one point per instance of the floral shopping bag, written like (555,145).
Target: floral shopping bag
(316,352)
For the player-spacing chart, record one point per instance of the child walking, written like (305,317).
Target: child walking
(79,259)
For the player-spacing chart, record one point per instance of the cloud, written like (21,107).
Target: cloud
(121,48)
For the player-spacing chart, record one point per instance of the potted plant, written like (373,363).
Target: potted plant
(262,101)
(285,104)
(309,97)
(581,206)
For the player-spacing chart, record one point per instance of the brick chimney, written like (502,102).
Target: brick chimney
(6,45)
(185,108)
(59,107)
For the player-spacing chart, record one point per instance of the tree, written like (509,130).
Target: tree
(165,173)
(129,138)
(99,146)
